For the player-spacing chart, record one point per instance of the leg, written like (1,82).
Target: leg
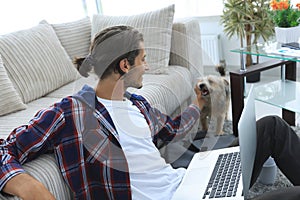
(220,124)
(204,122)
(276,138)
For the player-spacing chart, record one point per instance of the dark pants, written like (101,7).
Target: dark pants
(277,139)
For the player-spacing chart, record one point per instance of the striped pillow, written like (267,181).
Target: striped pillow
(35,61)
(10,100)
(74,36)
(156,27)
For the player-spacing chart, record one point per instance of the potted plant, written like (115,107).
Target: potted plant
(249,20)
(286,20)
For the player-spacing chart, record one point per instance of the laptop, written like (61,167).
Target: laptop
(197,182)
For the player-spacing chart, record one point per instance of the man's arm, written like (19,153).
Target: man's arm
(27,188)
(179,126)
(28,142)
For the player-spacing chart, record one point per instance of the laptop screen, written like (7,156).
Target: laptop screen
(247,139)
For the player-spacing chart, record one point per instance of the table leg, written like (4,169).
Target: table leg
(283,69)
(237,100)
(290,74)
(289,117)
(291,71)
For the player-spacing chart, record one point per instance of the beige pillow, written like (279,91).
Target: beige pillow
(74,36)
(35,61)
(156,27)
(10,100)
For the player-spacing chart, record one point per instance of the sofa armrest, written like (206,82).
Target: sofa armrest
(186,46)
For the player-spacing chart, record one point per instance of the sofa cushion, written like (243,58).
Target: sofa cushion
(74,36)
(35,61)
(13,120)
(186,47)
(45,170)
(169,91)
(75,86)
(10,100)
(156,27)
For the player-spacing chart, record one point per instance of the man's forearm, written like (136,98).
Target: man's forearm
(18,183)
(26,187)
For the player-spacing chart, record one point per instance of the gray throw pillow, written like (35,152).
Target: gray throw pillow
(10,100)
(74,36)
(36,62)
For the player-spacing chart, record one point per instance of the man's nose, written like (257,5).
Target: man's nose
(146,67)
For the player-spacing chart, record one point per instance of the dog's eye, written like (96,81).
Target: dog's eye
(211,81)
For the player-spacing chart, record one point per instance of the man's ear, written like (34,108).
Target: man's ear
(124,66)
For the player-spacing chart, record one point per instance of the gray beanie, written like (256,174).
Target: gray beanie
(104,53)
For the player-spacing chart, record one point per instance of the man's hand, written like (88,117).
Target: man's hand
(199,100)
(27,188)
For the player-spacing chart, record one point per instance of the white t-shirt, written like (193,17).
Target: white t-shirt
(150,176)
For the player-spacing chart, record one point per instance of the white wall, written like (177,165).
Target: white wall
(212,25)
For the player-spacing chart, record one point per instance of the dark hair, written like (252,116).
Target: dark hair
(108,48)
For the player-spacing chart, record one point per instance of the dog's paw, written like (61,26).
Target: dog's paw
(220,133)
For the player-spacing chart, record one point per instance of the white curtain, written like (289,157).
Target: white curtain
(183,8)
(21,14)
(92,7)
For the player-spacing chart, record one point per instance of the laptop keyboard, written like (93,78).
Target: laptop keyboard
(225,176)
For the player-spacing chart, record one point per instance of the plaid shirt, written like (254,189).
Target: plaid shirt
(85,142)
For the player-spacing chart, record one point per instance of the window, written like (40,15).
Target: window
(16,15)
(184,8)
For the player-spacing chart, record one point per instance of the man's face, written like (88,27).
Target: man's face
(134,78)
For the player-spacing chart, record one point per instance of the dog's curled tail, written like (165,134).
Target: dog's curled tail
(221,67)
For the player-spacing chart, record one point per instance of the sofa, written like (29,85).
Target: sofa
(36,70)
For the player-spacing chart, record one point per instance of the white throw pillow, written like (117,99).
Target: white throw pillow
(74,36)
(10,100)
(35,61)
(156,27)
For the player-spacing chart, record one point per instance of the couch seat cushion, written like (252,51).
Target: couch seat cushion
(45,170)
(13,120)
(75,86)
(167,91)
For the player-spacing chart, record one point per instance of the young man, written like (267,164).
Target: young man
(103,138)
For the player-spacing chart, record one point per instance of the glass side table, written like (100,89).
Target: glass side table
(281,93)
(282,96)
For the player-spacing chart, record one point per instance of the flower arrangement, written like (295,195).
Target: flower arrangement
(284,14)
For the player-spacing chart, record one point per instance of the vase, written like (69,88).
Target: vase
(286,35)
